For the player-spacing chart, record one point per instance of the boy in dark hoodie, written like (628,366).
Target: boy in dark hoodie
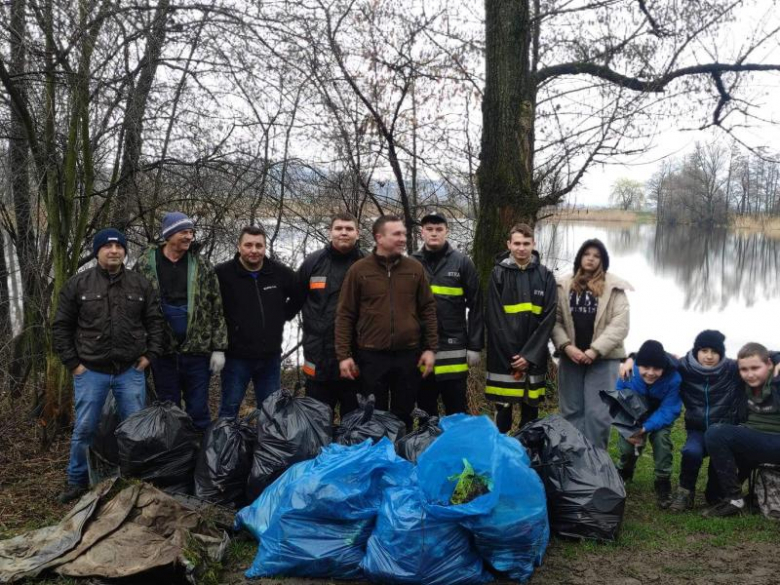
(656,379)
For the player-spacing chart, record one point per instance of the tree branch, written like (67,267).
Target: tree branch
(656,85)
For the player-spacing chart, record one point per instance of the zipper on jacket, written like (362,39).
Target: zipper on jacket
(260,302)
(707,405)
(392,318)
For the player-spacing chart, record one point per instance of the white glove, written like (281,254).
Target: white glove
(473,358)
(217,361)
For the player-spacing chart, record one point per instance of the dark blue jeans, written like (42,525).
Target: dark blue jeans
(693,453)
(90,390)
(265,374)
(735,450)
(185,375)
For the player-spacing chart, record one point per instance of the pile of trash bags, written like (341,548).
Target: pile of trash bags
(361,511)
(585,495)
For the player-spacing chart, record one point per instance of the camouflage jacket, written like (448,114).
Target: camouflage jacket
(206,329)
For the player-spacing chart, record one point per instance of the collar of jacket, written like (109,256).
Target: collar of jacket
(505,260)
(266,268)
(611,282)
(354,253)
(105,274)
(420,252)
(388,263)
(693,365)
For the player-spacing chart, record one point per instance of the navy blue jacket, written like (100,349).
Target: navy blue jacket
(710,395)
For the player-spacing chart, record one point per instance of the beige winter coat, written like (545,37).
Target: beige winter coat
(612,322)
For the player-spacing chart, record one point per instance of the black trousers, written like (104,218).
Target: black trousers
(333,392)
(452,391)
(504,415)
(393,378)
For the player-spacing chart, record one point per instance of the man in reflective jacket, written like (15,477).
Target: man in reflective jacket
(319,282)
(455,286)
(520,316)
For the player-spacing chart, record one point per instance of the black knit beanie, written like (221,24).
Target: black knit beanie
(593,243)
(710,338)
(651,355)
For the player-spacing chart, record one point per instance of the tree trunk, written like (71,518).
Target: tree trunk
(507,193)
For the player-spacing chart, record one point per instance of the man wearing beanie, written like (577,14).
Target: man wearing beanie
(106,330)
(656,379)
(195,335)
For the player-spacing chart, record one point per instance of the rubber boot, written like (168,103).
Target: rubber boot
(663,493)
(627,471)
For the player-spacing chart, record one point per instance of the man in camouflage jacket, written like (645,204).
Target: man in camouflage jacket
(195,335)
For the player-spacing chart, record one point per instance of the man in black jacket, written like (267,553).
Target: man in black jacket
(319,281)
(107,328)
(455,285)
(257,296)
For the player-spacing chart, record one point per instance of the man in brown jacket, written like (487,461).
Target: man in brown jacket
(386,322)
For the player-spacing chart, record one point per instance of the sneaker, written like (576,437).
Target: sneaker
(71,493)
(682,500)
(725,508)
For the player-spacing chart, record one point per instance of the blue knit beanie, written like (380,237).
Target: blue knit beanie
(107,236)
(174,222)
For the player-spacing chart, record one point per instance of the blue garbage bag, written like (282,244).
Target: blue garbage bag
(509,523)
(407,546)
(257,516)
(323,519)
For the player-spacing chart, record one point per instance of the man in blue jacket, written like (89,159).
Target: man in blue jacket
(656,379)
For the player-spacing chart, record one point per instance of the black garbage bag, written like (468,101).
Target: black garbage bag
(158,444)
(627,409)
(411,446)
(289,429)
(225,460)
(367,423)
(585,495)
(104,445)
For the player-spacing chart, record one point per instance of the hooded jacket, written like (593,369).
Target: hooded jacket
(318,283)
(206,331)
(256,308)
(612,318)
(519,318)
(455,286)
(710,395)
(663,396)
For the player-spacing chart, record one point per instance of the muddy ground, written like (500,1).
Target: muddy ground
(737,565)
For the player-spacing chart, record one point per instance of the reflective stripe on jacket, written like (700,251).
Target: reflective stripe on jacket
(455,286)
(520,316)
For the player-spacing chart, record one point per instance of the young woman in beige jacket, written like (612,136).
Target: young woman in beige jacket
(592,322)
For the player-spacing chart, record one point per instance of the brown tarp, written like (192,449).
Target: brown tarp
(139,529)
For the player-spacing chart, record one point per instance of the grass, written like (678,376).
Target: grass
(648,529)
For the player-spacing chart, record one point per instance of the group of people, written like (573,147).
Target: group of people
(405,329)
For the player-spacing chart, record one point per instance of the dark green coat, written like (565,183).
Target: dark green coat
(206,329)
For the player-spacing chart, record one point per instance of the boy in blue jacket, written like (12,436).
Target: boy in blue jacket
(656,379)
